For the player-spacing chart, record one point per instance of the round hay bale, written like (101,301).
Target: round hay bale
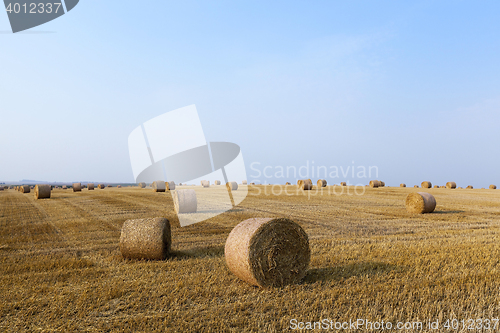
(77,187)
(42,191)
(374,183)
(1,188)
(101,186)
(402,185)
(321,183)
(470,187)
(185,201)
(109,185)
(451,185)
(217,182)
(146,238)
(493,187)
(382,184)
(205,183)
(426,184)
(31,187)
(252,183)
(25,189)
(159,186)
(305,184)
(232,186)
(171,186)
(268,252)
(90,186)
(287,183)
(141,185)
(416,186)
(436,186)
(343,184)
(420,203)
(119,186)
(244,182)
(64,187)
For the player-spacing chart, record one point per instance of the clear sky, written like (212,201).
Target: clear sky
(412,87)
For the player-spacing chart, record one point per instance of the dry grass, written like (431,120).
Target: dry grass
(61,268)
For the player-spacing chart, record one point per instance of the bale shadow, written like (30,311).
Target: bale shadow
(199,252)
(359,269)
(448,211)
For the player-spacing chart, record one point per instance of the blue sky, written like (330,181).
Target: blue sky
(410,87)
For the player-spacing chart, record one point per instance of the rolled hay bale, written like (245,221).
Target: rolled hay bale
(451,185)
(416,186)
(118,186)
(268,252)
(252,183)
(171,186)
(1,188)
(146,238)
(109,185)
(402,185)
(420,203)
(493,187)
(232,186)
(77,187)
(64,187)
(305,184)
(90,186)
(436,186)
(101,186)
(426,185)
(217,182)
(42,191)
(343,184)
(244,182)
(287,183)
(25,189)
(141,185)
(158,186)
(470,187)
(382,184)
(205,183)
(321,183)
(185,201)
(374,183)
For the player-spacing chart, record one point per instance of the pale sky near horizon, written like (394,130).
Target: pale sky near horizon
(412,88)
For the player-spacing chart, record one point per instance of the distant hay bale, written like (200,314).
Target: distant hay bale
(402,185)
(420,203)
(42,191)
(436,186)
(119,186)
(64,187)
(31,187)
(451,185)
(343,184)
(493,187)
(77,187)
(382,184)
(148,238)
(268,252)
(426,185)
(470,187)
(374,183)
(25,189)
(159,186)
(90,186)
(244,182)
(217,182)
(232,186)
(205,183)
(305,184)
(252,183)
(101,186)
(141,185)
(321,183)
(287,183)
(109,185)
(185,201)
(170,186)
(1,188)
(416,186)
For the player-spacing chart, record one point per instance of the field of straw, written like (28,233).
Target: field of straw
(61,269)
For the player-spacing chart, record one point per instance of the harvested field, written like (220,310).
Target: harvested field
(62,270)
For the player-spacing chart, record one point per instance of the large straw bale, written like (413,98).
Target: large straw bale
(420,203)
(244,182)
(232,186)
(205,183)
(470,187)
(374,183)
(90,186)
(77,187)
(159,186)
(268,252)
(42,191)
(142,185)
(305,184)
(402,185)
(426,185)
(322,183)
(101,186)
(148,238)
(185,201)
(217,182)
(493,187)
(451,185)
(25,189)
